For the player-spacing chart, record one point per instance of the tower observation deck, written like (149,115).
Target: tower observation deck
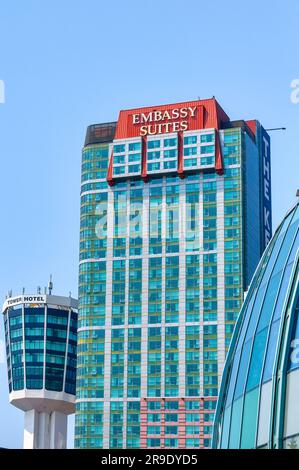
(41,348)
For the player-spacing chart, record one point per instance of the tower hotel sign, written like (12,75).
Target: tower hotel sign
(164,121)
(23,299)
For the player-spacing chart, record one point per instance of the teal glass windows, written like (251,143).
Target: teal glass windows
(198,153)
(126,158)
(162,154)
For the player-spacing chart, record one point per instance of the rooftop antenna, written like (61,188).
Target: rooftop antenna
(39,290)
(276,129)
(23,290)
(297,193)
(10,293)
(50,285)
(45,290)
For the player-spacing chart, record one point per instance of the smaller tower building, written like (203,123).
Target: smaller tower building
(41,343)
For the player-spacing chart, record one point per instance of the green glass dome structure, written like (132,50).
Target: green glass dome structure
(258,405)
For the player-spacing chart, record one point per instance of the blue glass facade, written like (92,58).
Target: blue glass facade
(257,406)
(41,342)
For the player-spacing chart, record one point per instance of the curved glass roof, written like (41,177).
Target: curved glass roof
(257,405)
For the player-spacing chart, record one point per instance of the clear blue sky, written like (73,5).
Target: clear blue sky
(67,64)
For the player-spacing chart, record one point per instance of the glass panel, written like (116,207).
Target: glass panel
(264,414)
(249,419)
(232,379)
(225,429)
(270,297)
(246,317)
(189,140)
(152,144)
(234,434)
(207,138)
(286,246)
(242,370)
(57,321)
(255,312)
(257,357)
(134,146)
(119,148)
(190,162)
(271,350)
(282,292)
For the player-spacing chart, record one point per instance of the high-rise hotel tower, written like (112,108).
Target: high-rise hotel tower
(175,214)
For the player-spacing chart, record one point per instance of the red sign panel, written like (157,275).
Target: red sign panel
(190,115)
(168,118)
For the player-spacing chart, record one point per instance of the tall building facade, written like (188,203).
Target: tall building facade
(41,342)
(175,214)
(258,402)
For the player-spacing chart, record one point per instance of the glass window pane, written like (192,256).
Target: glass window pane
(242,370)
(282,292)
(249,419)
(225,430)
(270,354)
(232,379)
(255,312)
(269,301)
(234,434)
(257,358)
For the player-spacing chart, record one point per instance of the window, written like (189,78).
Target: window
(134,146)
(153,144)
(119,148)
(207,149)
(190,140)
(153,155)
(170,153)
(122,155)
(171,405)
(171,442)
(119,159)
(170,164)
(154,430)
(192,430)
(134,168)
(154,405)
(153,442)
(207,138)
(171,429)
(119,170)
(153,166)
(189,151)
(207,161)
(192,442)
(257,358)
(170,142)
(242,369)
(231,138)
(170,417)
(190,162)
(192,417)
(154,417)
(133,157)
(192,405)
(249,419)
